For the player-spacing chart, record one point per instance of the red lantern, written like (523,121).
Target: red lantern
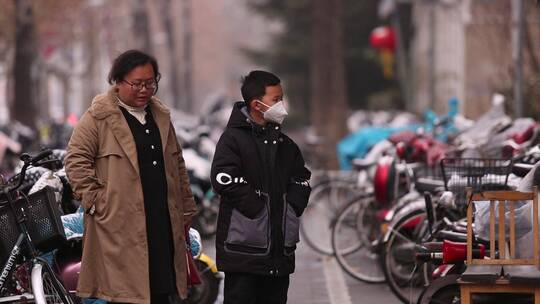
(383,38)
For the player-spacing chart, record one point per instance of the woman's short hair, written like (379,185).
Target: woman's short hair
(129,60)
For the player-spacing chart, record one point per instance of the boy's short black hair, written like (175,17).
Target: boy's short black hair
(129,60)
(255,83)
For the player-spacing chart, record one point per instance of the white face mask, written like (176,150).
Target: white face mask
(275,113)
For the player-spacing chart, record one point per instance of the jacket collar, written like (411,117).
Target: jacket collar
(106,104)
(106,107)
(240,118)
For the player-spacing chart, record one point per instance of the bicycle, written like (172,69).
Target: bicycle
(327,197)
(361,224)
(405,277)
(30,225)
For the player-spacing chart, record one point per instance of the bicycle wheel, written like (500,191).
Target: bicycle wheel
(46,286)
(405,277)
(359,260)
(444,290)
(320,214)
(207,291)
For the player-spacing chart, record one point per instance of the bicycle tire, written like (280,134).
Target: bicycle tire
(397,259)
(444,290)
(47,287)
(206,292)
(319,216)
(357,259)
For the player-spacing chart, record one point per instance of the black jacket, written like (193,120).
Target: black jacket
(260,176)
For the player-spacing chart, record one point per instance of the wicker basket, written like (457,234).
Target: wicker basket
(478,173)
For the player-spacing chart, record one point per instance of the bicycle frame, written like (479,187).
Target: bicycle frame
(8,267)
(24,236)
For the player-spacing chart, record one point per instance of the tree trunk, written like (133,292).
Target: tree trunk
(24,105)
(92,75)
(166,11)
(328,86)
(141,26)
(43,93)
(187,62)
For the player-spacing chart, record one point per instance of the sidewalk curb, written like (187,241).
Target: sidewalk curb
(335,282)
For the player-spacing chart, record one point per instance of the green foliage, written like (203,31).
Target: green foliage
(290,53)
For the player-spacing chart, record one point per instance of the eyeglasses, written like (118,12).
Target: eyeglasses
(137,87)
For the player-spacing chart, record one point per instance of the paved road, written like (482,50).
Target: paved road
(319,280)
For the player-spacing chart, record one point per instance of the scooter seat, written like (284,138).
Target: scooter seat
(485,274)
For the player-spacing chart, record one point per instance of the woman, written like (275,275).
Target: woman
(126,166)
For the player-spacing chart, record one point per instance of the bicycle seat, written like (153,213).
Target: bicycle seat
(521,169)
(361,164)
(452,236)
(460,237)
(424,184)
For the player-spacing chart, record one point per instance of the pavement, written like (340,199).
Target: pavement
(320,280)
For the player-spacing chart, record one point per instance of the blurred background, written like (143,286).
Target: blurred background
(334,57)
(376,86)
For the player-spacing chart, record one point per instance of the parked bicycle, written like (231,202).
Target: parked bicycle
(31,225)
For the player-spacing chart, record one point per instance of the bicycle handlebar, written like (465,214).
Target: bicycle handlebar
(28,160)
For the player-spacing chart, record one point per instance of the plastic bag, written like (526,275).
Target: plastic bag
(74,224)
(523,212)
(523,219)
(195,242)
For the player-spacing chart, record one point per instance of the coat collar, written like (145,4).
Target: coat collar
(240,118)
(106,107)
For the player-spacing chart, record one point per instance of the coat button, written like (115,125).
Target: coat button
(147,131)
(152,146)
(266,141)
(274,142)
(154,163)
(271,272)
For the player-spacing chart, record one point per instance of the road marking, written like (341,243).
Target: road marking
(335,282)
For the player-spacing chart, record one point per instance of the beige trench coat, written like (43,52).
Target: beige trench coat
(102,167)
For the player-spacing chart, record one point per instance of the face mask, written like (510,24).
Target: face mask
(275,113)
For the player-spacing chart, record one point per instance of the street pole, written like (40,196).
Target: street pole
(187,62)
(402,61)
(431,53)
(518,22)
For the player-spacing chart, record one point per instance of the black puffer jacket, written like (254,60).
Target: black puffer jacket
(260,176)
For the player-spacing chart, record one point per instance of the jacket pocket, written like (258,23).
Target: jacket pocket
(250,234)
(291,225)
(94,201)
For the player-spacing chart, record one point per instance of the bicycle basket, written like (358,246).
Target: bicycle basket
(481,174)
(42,221)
